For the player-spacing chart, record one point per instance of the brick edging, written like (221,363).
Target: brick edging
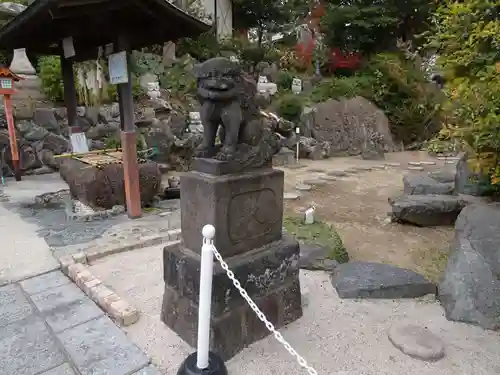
(113,305)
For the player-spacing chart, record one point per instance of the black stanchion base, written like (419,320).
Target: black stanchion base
(216,366)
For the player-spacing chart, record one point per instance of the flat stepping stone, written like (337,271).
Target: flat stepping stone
(428,163)
(337,173)
(426,210)
(303,187)
(328,178)
(415,163)
(442,176)
(416,342)
(378,280)
(378,167)
(291,196)
(351,170)
(316,170)
(394,165)
(313,182)
(450,161)
(413,168)
(362,169)
(422,184)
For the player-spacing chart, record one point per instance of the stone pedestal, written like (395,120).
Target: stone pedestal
(247,212)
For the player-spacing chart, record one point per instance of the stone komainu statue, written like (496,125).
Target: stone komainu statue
(227,98)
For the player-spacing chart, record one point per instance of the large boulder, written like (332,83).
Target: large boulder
(352,126)
(103,188)
(470,290)
(422,184)
(426,210)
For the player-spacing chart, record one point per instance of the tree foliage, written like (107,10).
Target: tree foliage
(371,26)
(264,15)
(467,38)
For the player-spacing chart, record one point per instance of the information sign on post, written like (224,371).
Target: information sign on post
(118,68)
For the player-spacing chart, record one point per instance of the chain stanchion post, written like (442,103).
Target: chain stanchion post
(204,361)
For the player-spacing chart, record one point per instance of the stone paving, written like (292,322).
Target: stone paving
(49,327)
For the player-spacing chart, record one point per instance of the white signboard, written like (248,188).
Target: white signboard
(118,68)
(79,143)
(68,47)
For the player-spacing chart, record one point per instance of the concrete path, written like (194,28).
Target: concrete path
(22,252)
(49,327)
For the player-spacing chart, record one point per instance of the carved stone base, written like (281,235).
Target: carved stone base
(269,274)
(245,208)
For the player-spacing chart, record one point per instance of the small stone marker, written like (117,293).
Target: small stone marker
(381,167)
(450,161)
(291,196)
(417,342)
(337,173)
(303,187)
(415,163)
(392,164)
(428,163)
(413,168)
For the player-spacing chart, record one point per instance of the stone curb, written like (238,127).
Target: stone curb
(113,305)
(171,235)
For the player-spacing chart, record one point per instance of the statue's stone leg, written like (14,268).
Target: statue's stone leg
(232,118)
(208,116)
(247,211)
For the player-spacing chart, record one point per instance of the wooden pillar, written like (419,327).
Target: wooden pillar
(69,90)
(129,139)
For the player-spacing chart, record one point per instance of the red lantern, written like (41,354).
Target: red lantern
(7,81)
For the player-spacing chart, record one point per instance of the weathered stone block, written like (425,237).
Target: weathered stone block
(104,187)
(269,274)
(245,208)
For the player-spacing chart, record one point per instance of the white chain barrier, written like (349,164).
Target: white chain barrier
(301,361)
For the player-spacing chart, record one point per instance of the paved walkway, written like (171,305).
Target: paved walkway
(22,252)
(49,327)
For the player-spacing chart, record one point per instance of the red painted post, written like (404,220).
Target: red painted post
(12,136)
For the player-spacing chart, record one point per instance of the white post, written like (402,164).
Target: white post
(206,270)
(297,130)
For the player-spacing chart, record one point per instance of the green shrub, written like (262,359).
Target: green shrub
(290,107)
(468,38)
(51,77)
(343,87)
(284,80)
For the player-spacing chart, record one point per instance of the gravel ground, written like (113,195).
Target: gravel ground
(335,336)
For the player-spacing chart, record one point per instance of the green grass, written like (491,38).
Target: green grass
(319,233)
(430,262)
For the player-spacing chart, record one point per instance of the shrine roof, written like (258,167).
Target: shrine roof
(41,27)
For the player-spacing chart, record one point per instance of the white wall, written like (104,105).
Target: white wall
(224,16)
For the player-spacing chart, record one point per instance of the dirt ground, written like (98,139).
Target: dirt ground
(357,205)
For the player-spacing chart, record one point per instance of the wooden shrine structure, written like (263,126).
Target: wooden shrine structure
(77,30)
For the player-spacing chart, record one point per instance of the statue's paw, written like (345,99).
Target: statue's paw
(226,154)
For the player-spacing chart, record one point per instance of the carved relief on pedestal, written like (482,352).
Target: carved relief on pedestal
(252,214)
